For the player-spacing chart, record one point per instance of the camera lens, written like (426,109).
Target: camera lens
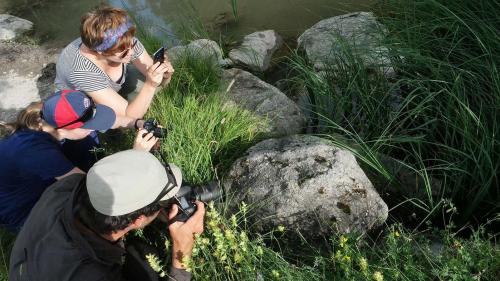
(159,132)
(206,193)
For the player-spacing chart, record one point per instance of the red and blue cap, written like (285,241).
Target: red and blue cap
(70,109)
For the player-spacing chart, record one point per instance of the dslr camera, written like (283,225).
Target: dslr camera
(187,195)
(152,126)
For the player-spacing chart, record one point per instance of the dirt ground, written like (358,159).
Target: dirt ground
(27,72)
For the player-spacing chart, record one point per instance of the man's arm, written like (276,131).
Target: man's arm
(182,234)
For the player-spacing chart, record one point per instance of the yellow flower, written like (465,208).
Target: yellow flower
(212,224)
(260,251)
(234,222)
(229,234)
(167,245)
(275,273)
(363,264)
(186,261)
(154,262)
(377,276)
(338,255)
(343,241)
(346,258)
(281,228)
(396,234)
(457,244)
(243,207)
(237,258)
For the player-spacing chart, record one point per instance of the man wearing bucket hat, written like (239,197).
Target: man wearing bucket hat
(33,157)
(76,230)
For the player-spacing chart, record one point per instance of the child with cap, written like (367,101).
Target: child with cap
(76,230)
(96,63)
(33,157)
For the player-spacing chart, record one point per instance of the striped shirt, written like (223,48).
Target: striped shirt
(75,71)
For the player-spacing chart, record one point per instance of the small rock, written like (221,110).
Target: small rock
(203,48)
(16,92)
(12,26)
(23,78)
(324,41)
(251,93)
(257,50)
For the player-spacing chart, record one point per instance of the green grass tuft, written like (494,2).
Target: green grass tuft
(204,133)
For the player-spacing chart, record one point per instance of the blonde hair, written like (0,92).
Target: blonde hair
(28,118)
(95,23)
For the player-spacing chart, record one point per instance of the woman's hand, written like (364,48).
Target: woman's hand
(167,76)
(144,141)
(182,233)
(155,73)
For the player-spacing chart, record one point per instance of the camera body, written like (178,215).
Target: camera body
(187,195)
(152,126)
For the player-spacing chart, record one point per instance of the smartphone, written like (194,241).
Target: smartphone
(159,55)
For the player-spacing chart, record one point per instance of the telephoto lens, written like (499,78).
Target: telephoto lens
(187,195)
(204,193)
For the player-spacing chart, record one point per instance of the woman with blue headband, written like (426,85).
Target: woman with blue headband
(96,63)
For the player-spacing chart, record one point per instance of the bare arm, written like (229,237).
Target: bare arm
(137,107)
(143,62)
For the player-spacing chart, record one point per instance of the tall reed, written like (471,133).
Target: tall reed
(439,115)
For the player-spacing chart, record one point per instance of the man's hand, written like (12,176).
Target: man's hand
(144,141)
(182,233)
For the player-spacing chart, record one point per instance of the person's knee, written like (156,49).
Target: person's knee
(133,83)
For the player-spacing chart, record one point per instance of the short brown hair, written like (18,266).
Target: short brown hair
(95,23)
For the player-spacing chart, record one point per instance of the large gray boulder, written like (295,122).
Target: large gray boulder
(12,26)
(201,48)
(304,182)
(257,50)
(323,42)
(249,92)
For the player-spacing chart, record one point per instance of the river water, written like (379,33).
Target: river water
(56,21)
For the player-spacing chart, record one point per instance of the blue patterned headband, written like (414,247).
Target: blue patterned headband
(112,35)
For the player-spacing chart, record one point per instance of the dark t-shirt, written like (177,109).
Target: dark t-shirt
(29,162)
(81,152)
